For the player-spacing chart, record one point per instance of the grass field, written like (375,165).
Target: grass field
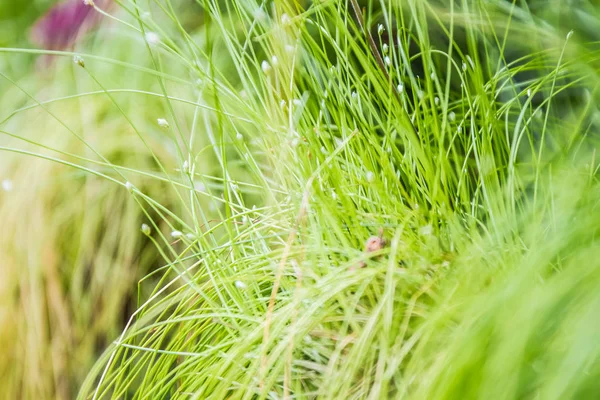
(301,200)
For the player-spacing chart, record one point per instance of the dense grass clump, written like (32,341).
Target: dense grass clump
(197,190)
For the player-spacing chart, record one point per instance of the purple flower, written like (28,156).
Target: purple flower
(60,28)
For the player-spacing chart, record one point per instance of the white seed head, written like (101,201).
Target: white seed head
(7,185)
(129,186)
(239,136)
(274,61)
(324,150)
(436,100)
(152,38)
(420,94)
(569,35)
(163,123)
(176,234)
(451,116)
(146,230)
(370,176)
(470,60)
(333,195)
(266,67)
(528,92)
(241,285)
(387,60)
(354,94)
(385,48)
(432,75)
(259,14)
(464,66)
(297,102)
(380,29)
(199,187)
(79,61)
(400,87)
(282,104)
(295,142)
(289,48)
(285,19)
(426,230)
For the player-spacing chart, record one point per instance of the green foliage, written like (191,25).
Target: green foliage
(263,144)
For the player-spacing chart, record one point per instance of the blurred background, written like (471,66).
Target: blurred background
(71,254)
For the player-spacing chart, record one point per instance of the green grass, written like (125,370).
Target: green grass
(467,132)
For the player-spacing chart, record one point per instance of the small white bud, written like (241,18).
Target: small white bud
(241,285)
(89,3)
(185,167)
(354,94)
(436,100)
(176,234)
(569,35)
(259,14)
(370,176)
(239,136)
(385,48)
(129,186)
(266,67)
(451,116)
(297,102)
(289,48)
(387,60)
(333,195)
(234,187)
(464,66)
(163,123)
(400,87)
(426,230)
(199,187)
(152,38)
(190,236)
(285,19)
(420,94)
(470,60)
(243,94)
(324,150)
(79,61)
(295,142)
(459,129)
(432,75)
(528,92)
(274,61)
(7,185)
(146,230)
(380,29)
